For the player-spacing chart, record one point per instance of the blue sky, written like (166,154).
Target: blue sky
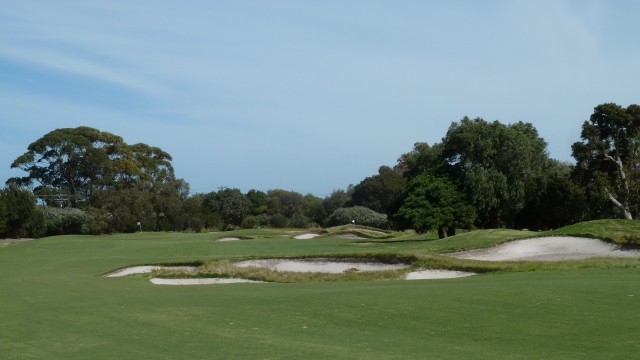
(308,96)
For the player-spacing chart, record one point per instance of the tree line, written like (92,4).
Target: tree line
(482,174)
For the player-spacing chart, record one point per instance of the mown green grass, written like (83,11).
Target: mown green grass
(56,305)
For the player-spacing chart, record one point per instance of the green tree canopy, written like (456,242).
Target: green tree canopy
(493,164)
(337,199)
(259,201)
(3,214)
(420,159)
(608,157)
(23,219)
(381,193)
(287,203)
(553,200)
(231,204)
(435,203)
(73,161)
(71,164)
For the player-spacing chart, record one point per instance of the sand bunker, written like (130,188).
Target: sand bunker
(319,265)
(201,281)
(147,269)
(554,248)
(229,239)
(306,236)
(436,274)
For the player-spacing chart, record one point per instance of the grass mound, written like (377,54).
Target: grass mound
(360,231)
(618,231)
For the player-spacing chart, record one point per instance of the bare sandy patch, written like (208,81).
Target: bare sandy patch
(436,274)
(12,241)
(147,269)
(201,281)
(229,239)
(306,236)
(319,265)
(553,248)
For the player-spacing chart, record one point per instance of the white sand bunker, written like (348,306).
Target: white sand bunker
(319,265)
(436,274)
(147,269)
(306,236)
(554,248)
(201,281)
(229,239)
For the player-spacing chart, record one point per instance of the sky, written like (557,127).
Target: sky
(307,96)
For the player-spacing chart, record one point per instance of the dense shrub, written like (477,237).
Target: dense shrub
(361,215)
(3,215)
(263,220)
(63,221)
(299,221)
(23,219)
(249,222)
(194,224)
(279,221)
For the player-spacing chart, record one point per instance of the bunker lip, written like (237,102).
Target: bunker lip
(144,269)
(431,274)
(321,265)
(552,248)
(201,281)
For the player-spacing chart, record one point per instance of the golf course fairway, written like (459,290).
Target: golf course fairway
(56,304)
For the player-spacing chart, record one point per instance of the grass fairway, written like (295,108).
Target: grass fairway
(56,305)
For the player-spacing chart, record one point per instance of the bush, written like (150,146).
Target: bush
(63,221)
(249,222)
(100,220)
(195,224)
(3,215)
(263,220)
(23,219)
(299,221)
(279,221)
(35,225)
(362,216)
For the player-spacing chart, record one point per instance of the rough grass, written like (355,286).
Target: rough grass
(360,231)
(421,251)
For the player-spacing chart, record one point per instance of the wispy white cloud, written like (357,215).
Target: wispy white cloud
(55,60)
(301,84)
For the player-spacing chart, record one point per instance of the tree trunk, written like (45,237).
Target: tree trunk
(451,231)
(623,207)
(623,204)
(440,232)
